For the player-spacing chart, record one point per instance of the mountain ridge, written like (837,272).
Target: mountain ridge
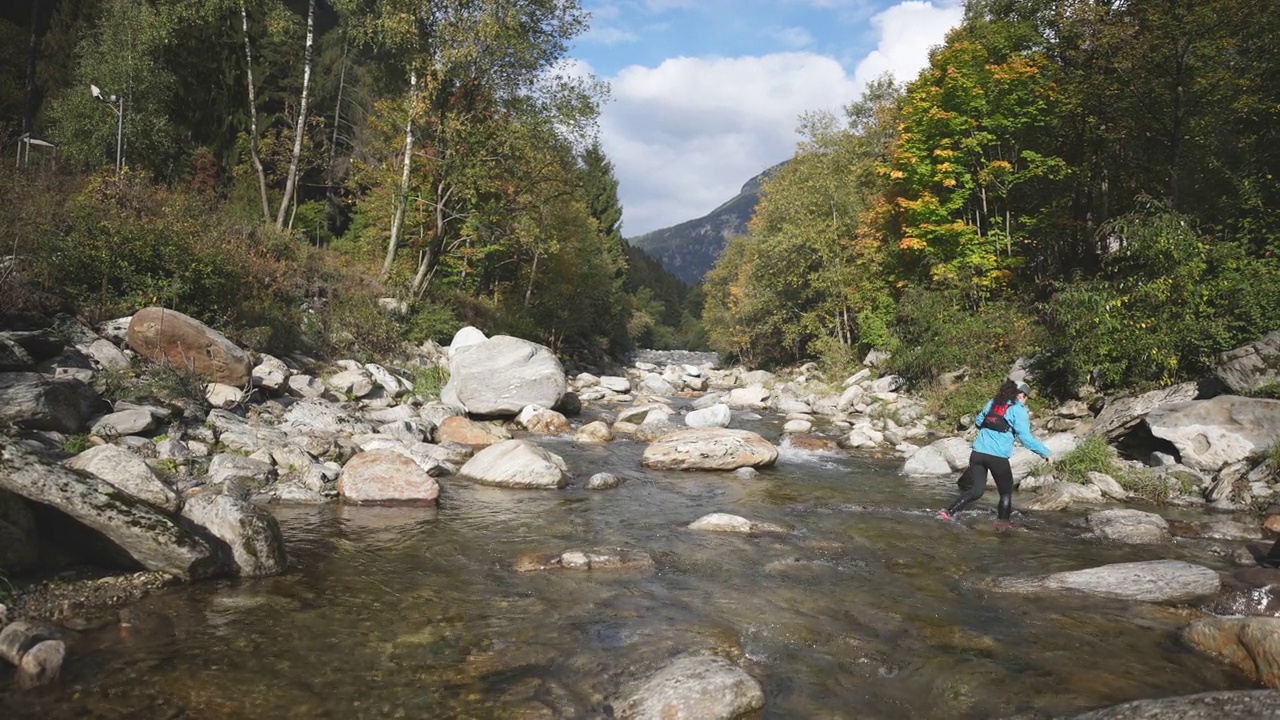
(689,249)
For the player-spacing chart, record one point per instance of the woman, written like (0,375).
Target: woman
(1004,418)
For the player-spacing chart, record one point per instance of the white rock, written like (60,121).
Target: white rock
(717,415)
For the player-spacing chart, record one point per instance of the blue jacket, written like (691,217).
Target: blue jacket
(1000,444)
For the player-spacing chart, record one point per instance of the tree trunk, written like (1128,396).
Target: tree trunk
(330,179)
(29,112)
(301,127)
(402,197)
(430,256)
(253,117)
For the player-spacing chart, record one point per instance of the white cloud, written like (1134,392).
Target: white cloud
(609,36)
(793,37)
(685,135)
(906,33)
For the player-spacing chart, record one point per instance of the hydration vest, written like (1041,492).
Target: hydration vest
(994,419)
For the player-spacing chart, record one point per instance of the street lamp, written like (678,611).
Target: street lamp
(116,103)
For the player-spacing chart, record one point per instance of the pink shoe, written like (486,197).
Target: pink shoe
(1004,525)
(944,515)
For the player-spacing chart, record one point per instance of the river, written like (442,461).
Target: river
(866,610)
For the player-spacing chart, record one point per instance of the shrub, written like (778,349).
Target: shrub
(1093,454)
(428,380)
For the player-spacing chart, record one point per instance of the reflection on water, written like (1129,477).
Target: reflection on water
(866,610)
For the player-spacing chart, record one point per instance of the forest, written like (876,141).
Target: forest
(329,176)
(1086,184)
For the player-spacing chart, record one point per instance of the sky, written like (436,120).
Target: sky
(706,94)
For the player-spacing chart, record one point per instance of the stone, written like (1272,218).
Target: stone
(1249,368)
(463,430)
(1150,581)
(593,432)
(19,541)
(717,415)
(616,384)
(1251,644)
(709,449)
(700,687)
(248,472)
(35,402)
(1108,486)
(385,476)
(170,337)
(251,533)
(797,426)
(352,383)
(633,561)
(222,396)
(516,464)
(464,337)
(603,481)
(271,374)
(1123,414)
(309,416)
(944,457)
(41,664)
(540,420)
(105,354)
(1223,705)
(19,637)
(755,396)
(1062,495)
(127,472)
(394,386)
(726,523)
(1210,434)
(1133,527)
(146,534)
(502,375)
(134,421)
(305,386)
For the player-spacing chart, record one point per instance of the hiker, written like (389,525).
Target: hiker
(1004,418)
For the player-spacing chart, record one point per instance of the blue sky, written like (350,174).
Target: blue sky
(706,94)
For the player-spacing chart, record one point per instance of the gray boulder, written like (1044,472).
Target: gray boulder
(503,375)
(1248,368)
(36,402)
(1210,434)
(252,534)
(127,472)
(1123,414)
(19,544)
(1133,527)
(517,464)
(149,536)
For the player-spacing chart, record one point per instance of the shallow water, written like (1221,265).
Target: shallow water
(867,610)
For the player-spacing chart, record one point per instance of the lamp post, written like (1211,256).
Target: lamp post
(116,103)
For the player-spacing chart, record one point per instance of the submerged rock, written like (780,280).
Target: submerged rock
(726,523)
(1251,644)
(619,560)
(1226,705)
(1130,526)
(700,687)
(1153,581)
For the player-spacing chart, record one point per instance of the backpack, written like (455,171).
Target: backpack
(994,419)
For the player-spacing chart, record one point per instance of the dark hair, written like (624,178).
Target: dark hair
(1007,393)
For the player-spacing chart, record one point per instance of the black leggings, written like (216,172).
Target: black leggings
(979,465)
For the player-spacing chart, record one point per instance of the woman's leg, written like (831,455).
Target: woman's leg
(978,470)
(1003,474)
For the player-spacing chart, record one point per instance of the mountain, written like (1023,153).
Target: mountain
(688,250)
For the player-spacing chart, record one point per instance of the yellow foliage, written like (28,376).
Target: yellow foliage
(912,243)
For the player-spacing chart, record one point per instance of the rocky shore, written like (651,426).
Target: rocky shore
(120,472)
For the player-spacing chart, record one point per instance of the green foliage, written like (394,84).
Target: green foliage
(75,444)
(145,382)
(429,380)
(1168,302)
(939,332)
(1093,454)
(430,320)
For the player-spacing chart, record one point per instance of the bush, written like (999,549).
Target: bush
(1093,454)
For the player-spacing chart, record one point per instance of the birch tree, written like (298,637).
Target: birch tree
(300,127)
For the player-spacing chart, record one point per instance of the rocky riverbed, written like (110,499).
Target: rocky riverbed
(528,456)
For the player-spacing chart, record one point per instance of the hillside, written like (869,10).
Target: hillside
(688,250)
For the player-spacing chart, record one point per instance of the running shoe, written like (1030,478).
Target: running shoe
(944,515)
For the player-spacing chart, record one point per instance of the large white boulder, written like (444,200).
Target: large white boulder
(709,449)
(517,464)
(503,375)
(1211,434)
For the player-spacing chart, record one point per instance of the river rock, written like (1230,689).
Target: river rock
(942,457)
(244,471)
(133,421)
(1123,414)
(755,396)
(1151,581)
(386,476)
(466,431)
(699,687)
(717,415)
(305,386)
(1108,485)
(709,449)
(318,416)
(168,336)
(1251,644)
(611,560)
(352,383)
(1134,527)
(1062,495)
(148,535)
(19,542)
(1024,462)
(127,472)
(271,374)
(594,432)
(466,336)
(502,375)
(1210,434)
(615,384)
(41,664)
(517,464)
(1224,705)
(1248,368)
(540,420)
(603,481)
(33,401)
(253,535)
(726,523)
